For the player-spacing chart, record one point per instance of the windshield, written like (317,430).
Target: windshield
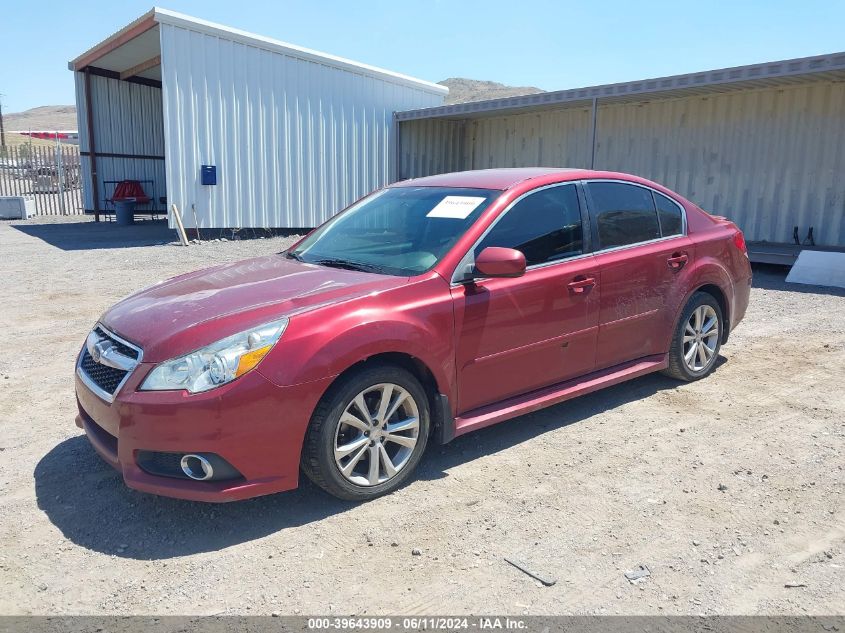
(400,231)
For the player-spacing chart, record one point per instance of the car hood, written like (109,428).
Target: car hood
(181,314)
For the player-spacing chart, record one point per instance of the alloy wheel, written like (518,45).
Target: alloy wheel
(701,337)
(376,434)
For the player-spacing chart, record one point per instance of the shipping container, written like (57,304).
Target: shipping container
(763,145)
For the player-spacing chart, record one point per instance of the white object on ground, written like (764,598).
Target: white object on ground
(818,268)
(16,207)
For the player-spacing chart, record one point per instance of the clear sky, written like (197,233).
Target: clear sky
(552,45)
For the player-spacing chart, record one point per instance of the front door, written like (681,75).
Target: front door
(521,334)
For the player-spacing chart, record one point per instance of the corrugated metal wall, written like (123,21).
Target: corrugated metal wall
(541,139)
(127,120)
(294,141)
(431,146)
(546,139)
(769,159)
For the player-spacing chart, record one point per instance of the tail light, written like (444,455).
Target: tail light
(739,241)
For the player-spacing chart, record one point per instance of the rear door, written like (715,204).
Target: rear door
(517,335)
(643,257)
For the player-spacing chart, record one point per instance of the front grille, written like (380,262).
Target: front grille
(102,375)
(121,347)
(106,378)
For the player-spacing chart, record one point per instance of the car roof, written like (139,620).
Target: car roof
(506,178)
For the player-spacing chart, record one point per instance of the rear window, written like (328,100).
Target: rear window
(624,214)
(669,214)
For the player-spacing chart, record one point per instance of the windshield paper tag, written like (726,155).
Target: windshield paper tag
(456,207)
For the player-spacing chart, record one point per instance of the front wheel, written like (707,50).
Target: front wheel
(367,434)
(697,339)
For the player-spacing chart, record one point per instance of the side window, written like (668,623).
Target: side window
(545,226)
(669,214)
(624,214)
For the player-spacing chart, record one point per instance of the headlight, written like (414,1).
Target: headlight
(218,363)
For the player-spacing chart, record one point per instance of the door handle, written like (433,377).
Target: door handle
(581,284)
(677,261)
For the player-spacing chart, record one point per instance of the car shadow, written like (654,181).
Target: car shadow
(499,437)
(87,500)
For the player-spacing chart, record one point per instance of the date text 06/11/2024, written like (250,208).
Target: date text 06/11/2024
(422,623)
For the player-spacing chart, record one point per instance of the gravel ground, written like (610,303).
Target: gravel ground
(728,490)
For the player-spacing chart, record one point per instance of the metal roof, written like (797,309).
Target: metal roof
(831,66)
(138,42)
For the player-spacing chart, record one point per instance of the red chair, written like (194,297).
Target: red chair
(126,191)
(129,191)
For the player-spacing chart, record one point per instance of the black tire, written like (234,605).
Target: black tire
(318,452)
(678,367)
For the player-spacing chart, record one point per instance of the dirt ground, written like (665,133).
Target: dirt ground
(581,492)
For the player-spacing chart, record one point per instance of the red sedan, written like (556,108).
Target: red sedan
(424,311)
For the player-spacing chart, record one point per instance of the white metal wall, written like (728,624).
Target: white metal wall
(550,138)
(769,159)
(431,146)
(127,120)
(293,140)
(542,139)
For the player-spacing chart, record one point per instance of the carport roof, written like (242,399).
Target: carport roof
(135,50)
(784,72)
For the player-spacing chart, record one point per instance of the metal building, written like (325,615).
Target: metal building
(763,145)
(293,135)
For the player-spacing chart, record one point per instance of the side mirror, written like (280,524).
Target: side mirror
(495,261)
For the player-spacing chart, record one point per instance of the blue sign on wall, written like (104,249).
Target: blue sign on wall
(208,174)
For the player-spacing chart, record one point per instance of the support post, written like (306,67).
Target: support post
(2,130)
(60,173)
(397,150)
(594,117)
(92,147)
(180,228)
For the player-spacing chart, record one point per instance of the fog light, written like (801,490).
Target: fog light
(197,467)
(187,466)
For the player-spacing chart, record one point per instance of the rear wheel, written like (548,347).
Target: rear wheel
(697,339)
(367,434)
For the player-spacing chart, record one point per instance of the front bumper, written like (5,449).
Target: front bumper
(256,426)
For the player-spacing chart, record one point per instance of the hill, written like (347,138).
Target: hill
(462,90)
(48,118)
